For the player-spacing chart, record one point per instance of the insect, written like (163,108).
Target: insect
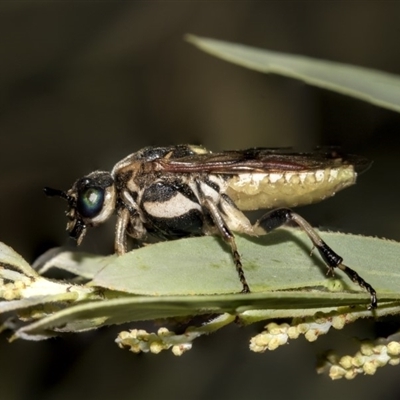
(185,190)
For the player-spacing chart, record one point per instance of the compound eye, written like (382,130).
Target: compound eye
(90,202)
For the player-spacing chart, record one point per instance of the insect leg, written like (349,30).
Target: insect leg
(229,238)
(120,231)
(277,218)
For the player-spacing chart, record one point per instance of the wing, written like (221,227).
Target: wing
(264,178)
(259,160)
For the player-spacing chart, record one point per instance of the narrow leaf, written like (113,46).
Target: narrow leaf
(376,87)
(278,261)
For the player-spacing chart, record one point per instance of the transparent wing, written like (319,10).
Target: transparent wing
(259,160)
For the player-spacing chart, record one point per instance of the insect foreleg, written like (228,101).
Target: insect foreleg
(128,223)
(277,218)
(229,238)
(120,231)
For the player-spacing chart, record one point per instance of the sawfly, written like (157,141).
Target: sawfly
(184,190)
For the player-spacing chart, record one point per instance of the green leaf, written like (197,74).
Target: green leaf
(9,257)
(249,309)
(376,87)
(278,261)
(85,265)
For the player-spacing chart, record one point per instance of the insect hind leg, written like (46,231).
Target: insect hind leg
(276,218)
(228,237)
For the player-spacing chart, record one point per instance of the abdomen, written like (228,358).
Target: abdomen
(252,191)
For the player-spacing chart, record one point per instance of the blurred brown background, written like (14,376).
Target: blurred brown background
(82,84)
